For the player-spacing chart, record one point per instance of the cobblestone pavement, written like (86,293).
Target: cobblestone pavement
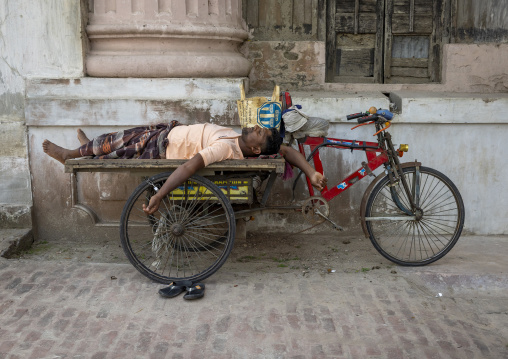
(66,309)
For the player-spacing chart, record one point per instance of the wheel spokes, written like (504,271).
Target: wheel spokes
(424,236)
(188,237)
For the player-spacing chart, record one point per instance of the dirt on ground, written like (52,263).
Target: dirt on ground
(325,252)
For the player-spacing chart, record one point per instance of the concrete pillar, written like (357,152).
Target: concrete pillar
(166,38)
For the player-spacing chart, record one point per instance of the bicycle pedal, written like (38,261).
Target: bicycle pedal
(334,225)
(337,228)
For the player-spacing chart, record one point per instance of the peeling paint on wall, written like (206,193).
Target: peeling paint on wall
(476,68)
(482,21)
(13,133)
(15,216)
(12,105)
(15,181)
(290,64)
(37,39)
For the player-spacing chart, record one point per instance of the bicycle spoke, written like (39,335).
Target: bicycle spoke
(421,243)
(438,225)
(403,239)
(206,245)
(169,259)
(424,239)
(434,233)
(430,190)
(428,238)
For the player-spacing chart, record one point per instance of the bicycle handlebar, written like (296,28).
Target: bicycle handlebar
(355,115)
(363,117)
(373,115)
(368,118)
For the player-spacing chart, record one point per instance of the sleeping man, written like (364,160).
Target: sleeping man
(200,144)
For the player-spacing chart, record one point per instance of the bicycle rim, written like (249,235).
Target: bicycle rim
(414,240)
(188,238)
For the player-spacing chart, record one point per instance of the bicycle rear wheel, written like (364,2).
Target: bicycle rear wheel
(188,238)
(415,239)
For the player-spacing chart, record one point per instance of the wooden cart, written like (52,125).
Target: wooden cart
(192,233)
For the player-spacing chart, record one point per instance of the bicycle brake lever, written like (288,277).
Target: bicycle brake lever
(387,125)
(363,124)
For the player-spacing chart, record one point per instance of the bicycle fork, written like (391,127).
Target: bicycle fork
(413,194)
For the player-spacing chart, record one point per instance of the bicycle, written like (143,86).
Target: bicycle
(412,214)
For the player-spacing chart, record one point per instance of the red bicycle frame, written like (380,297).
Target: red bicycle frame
(371,149)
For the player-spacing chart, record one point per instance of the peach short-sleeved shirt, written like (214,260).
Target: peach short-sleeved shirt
(214,143)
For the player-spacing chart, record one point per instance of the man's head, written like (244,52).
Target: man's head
(260,141)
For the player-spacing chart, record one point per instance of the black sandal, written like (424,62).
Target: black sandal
(175,288)
(195,292)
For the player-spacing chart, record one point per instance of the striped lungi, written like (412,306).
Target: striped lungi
(146,142)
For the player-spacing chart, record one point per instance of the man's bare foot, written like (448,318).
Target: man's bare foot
(58,153)
(83,139)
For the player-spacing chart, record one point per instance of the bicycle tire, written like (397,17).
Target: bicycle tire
(189,237)
(416,241)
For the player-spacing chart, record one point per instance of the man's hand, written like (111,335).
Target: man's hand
(181,174)
(318,180)
(153,205)
(295,158)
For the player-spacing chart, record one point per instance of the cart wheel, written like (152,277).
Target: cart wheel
(188,238)
(415,239)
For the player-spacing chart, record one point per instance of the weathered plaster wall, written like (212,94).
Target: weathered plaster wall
(37,39)
(467,68)
(290,64)
(286,20)
(482,21)
(300,65)
(279,48)
(476,68)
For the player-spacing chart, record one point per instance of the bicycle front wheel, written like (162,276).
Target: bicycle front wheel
(421,237)
(188,238)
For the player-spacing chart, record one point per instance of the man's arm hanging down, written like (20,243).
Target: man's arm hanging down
(296,159)
(181,174)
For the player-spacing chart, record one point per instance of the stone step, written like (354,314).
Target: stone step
(133,102)
(13,241)
(460,108)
